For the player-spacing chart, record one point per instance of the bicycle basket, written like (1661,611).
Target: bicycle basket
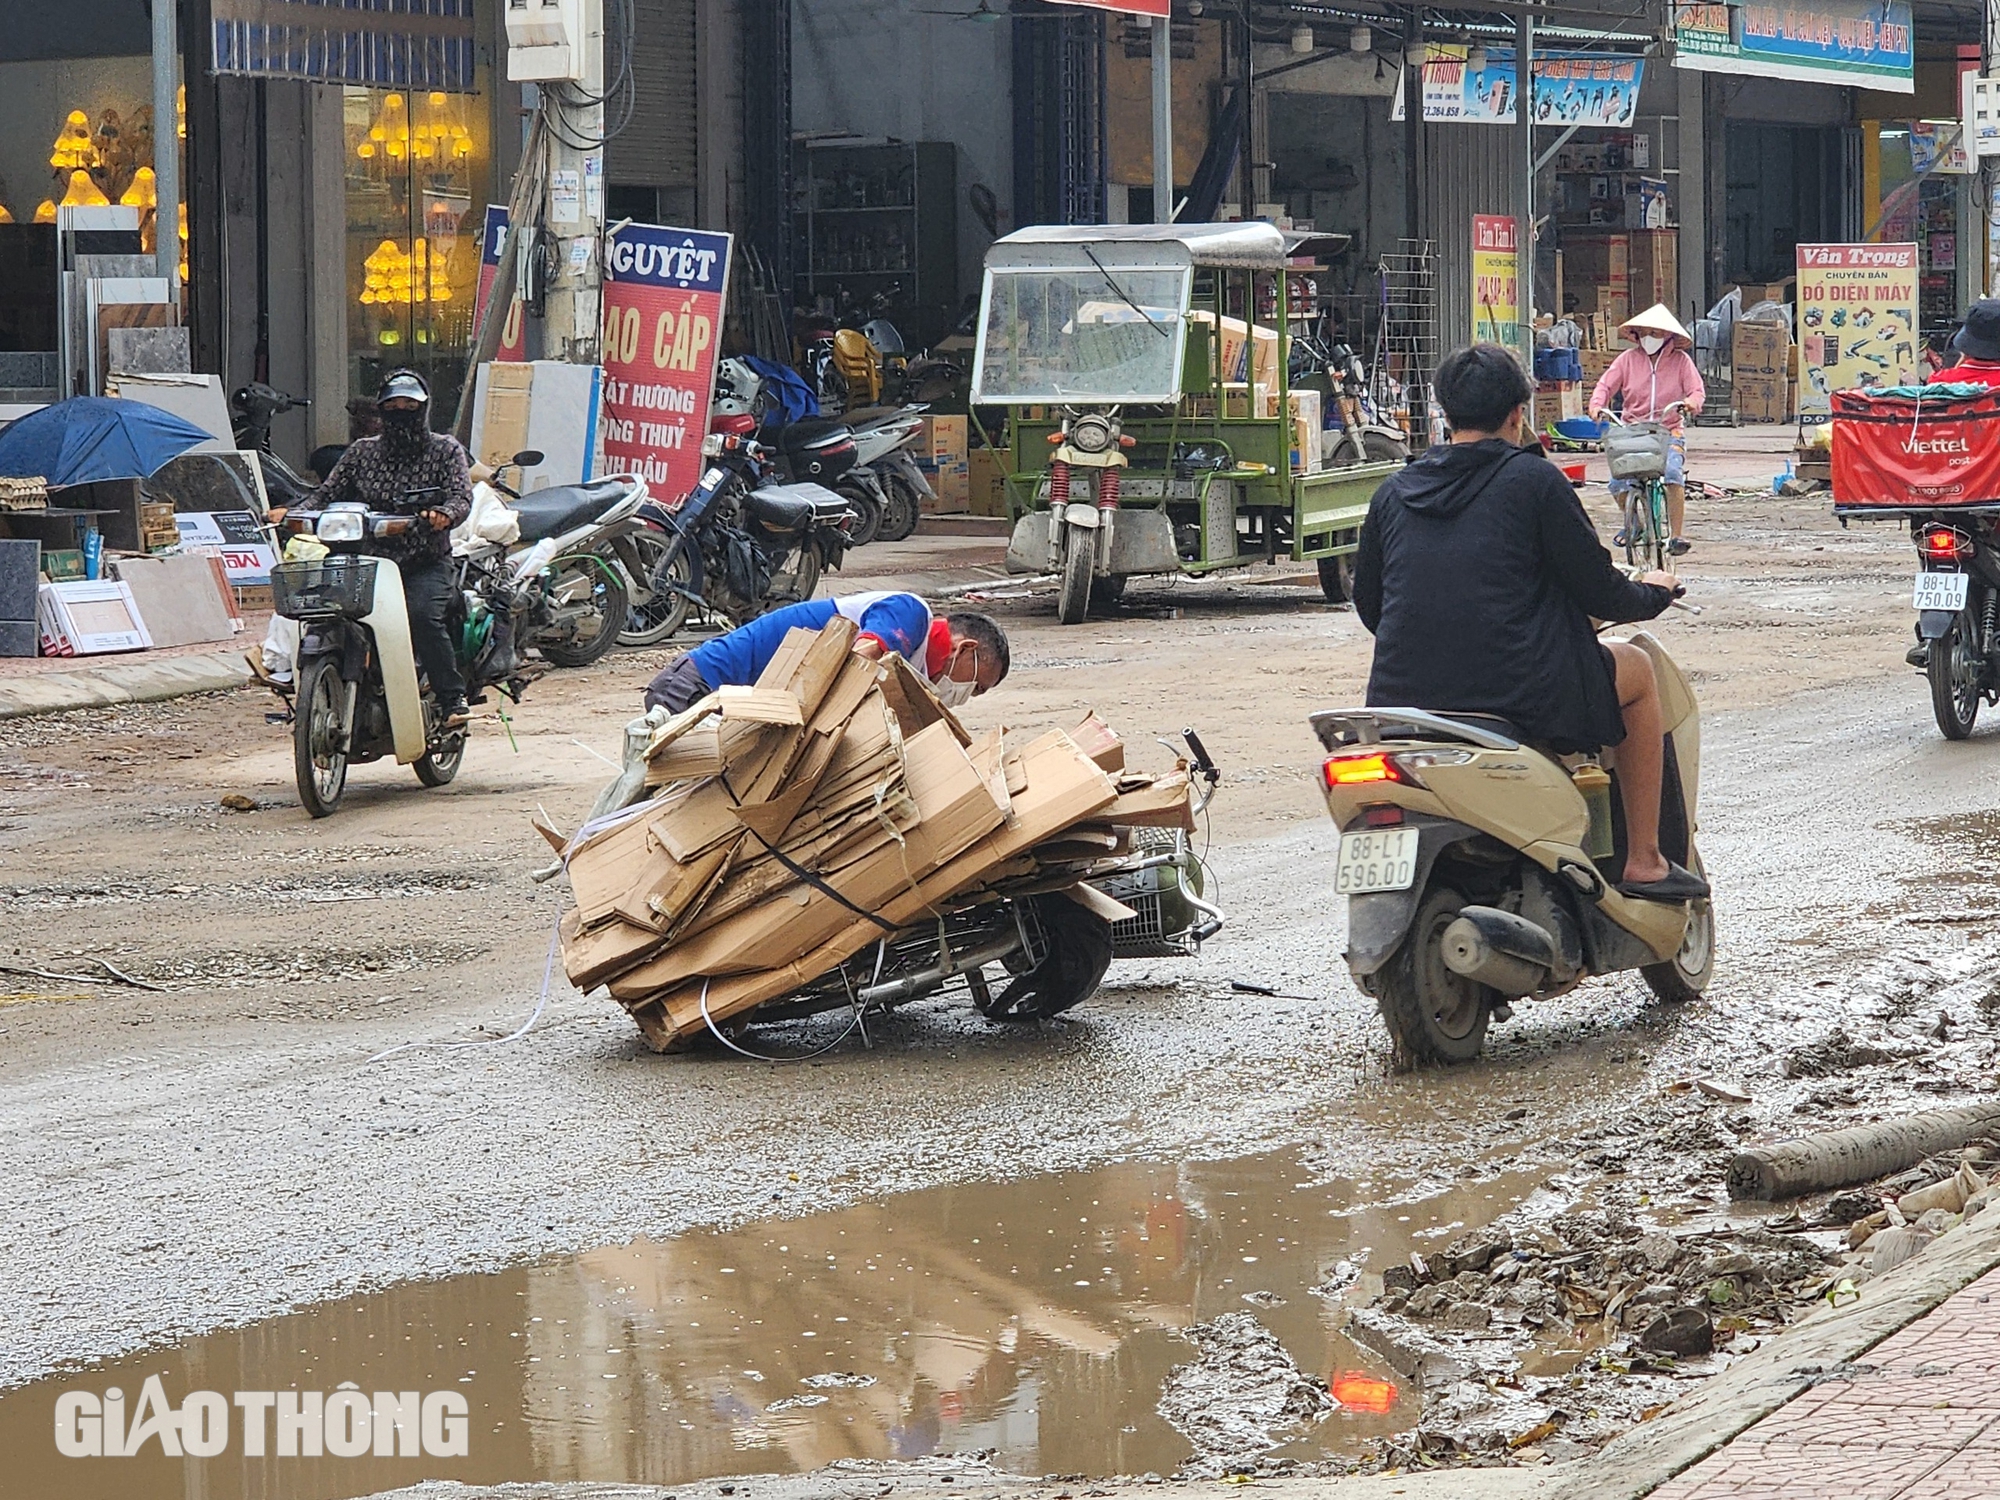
(343,586)
(1638,451)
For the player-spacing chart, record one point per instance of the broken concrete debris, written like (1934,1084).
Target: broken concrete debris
(783,828)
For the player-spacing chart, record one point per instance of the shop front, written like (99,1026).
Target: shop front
(76,129)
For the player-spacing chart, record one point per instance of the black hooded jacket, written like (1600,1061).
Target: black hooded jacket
(1479,574)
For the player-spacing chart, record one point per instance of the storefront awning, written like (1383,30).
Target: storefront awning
(379,43)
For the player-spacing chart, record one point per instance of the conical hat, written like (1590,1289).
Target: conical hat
(1658,318)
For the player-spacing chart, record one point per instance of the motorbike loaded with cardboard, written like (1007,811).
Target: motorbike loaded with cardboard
(1481,870)
(832,839)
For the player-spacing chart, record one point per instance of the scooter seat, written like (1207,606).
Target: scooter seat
(777,511)
(791,507)
(1493,723)
(563,507)
(795,436)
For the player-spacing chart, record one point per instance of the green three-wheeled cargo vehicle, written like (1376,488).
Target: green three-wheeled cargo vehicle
(1155,425)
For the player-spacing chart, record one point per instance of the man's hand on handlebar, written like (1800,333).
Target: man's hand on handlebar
(1663,580)
(438,520)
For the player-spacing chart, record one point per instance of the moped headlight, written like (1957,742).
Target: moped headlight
(1091,434)
(340,526)
(711,446)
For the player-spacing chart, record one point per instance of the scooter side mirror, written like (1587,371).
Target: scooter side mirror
(527,458)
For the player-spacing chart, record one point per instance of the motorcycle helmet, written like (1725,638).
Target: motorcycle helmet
(883,335)
(736,390)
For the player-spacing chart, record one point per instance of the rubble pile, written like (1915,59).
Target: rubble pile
(787,826)
(1242,1396)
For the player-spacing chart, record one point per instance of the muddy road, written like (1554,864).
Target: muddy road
(235,1146)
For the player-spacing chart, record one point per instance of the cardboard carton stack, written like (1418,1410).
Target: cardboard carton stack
(1597,272)
(1761,361)
(798,821)
(940,451)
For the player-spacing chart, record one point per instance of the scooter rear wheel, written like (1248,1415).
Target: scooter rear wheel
(1434,1016)
(1954,679)
(1685,976)
(319,744)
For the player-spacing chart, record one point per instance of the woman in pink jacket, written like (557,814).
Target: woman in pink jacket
(1656,382)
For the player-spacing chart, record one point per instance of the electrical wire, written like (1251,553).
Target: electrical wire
(541,1004)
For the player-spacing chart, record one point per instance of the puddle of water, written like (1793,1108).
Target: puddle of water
(1036,1319)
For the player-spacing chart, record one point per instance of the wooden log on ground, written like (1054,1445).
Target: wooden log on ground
(1842,1158)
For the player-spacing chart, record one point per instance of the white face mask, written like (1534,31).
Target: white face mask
(1652,343)
(952,693)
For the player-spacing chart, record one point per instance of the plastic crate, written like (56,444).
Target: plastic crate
(329,586)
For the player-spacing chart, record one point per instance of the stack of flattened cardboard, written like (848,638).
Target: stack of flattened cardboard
(794,823)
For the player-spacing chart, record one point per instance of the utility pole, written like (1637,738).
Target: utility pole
(1524,223)
(573,206)
(1163,120)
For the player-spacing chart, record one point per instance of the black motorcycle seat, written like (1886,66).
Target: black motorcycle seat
(563,507)
(1490,722)
(778,512)
(797,435)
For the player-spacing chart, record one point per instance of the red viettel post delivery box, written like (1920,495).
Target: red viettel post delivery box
(1915,452)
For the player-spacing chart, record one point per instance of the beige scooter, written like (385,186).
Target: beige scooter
(1480,870)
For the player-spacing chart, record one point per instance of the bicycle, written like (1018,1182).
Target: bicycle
(1638,452)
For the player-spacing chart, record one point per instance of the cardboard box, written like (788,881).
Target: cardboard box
(940,451)
(1557,399)
(1595,363)
(1614,306)
(1602,258)
(1760,349)
(1655,263)
(986,481)
(1235,335)
(1647,205)
(1761,397)
(1305,413)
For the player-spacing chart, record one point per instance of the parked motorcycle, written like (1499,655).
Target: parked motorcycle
(254,406)
(1090,447)
(1480,870)
(580,558)
(859,359)
(356,696)
(1360,433)
(885,487)
(1957,601)
(741,544)
(1052,952)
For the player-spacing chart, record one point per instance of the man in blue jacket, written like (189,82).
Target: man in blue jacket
(1480,574)
(960,656)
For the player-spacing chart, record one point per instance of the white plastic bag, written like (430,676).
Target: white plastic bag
(491,520)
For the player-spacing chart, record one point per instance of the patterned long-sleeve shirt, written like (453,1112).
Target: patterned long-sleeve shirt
(366,473)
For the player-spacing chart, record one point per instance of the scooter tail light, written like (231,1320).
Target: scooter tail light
(1943,542)
(1362,768)
(1382,815)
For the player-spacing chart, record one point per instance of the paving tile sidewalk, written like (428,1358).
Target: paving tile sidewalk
(1918,1415)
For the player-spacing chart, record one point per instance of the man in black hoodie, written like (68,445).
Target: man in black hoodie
(1479,575)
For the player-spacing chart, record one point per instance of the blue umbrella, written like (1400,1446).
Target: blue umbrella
(88,438)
